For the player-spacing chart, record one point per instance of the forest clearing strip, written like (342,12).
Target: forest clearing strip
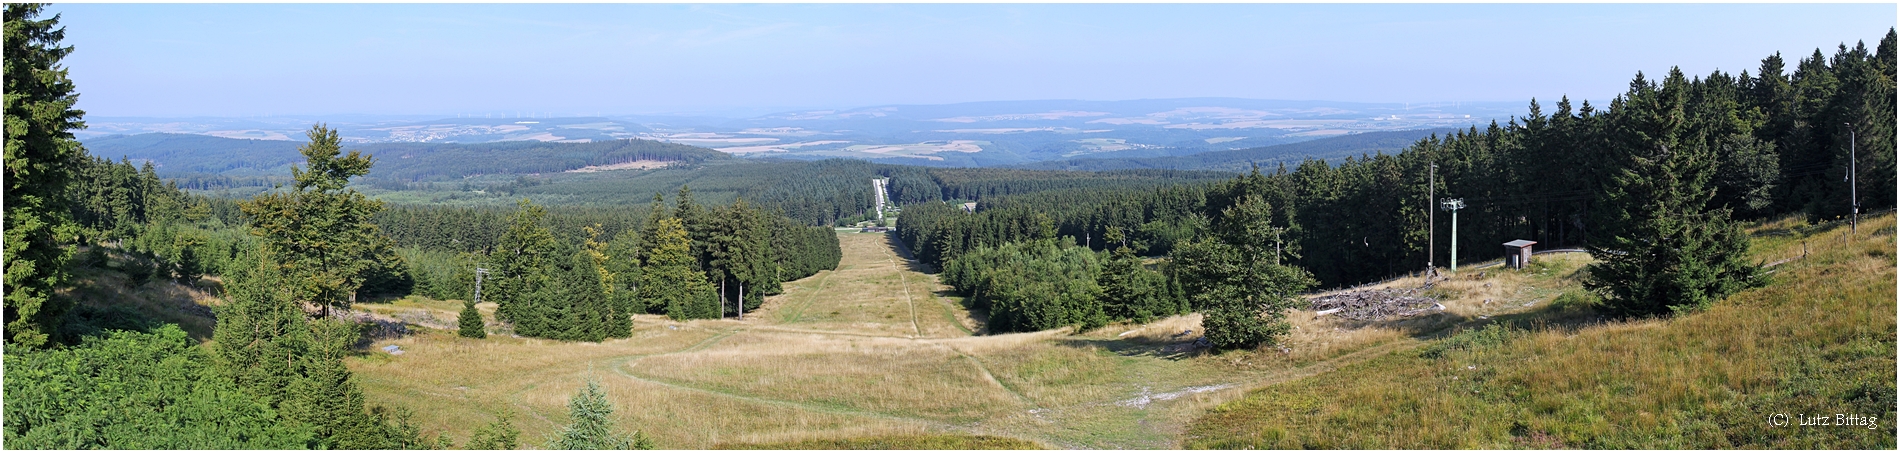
(901,281)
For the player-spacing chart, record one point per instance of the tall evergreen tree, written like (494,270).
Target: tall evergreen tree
(1243,299)
(739,249)
(266,345)
(1130,291)
(1665,248)
(623,261)
(319,233)
(260,332)
(573,306)
(657,212)
(668,277)
(694,218)
(41,157)
(520,254)
(326,396)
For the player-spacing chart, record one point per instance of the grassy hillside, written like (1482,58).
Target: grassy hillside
(1242,159)
(877,354)
(1819,340)
(115,290)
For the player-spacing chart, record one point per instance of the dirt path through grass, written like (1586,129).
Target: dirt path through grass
(847,354)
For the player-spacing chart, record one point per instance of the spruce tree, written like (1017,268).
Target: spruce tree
(592,425)
(326,396)
(1243,298)
(623,261)
(740,252)
(519,256)
(657,211)
(1130,291)
(499,435)
(470,322)
(1666,249)
(574,307)
(669,278)
(614,317)
(693,218)
(41,157)
(260,331)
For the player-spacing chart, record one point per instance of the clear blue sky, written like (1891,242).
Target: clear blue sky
(246,60)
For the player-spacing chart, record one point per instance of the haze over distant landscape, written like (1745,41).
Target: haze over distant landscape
(743,61)
(941,85)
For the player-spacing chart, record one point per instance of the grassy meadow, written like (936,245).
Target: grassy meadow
(877,354)
(1818,340)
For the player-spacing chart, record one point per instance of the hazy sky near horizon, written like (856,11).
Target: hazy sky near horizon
(727,59)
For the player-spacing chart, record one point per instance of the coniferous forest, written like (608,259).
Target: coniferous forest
(1656,179)
(1654,184)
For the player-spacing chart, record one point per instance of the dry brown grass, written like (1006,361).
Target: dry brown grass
(1819,340)
(867,374)
(841,355)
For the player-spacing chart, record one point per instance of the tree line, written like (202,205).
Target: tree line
(1652,185)
(687,262)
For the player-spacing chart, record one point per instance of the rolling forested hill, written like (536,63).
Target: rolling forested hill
(201,162)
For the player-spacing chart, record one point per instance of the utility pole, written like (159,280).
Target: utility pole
(1453,205)
(1853,183)
(1431,221)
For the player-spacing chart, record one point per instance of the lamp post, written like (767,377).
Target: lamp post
(1453,205)
(1853,183)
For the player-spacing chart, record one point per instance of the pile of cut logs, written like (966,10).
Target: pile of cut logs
(1376,304)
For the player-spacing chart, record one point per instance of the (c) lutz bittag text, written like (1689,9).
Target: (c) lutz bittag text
(1842,420)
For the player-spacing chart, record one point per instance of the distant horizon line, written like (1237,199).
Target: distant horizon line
(732,113)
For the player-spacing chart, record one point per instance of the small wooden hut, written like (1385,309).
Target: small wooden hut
(1517,253)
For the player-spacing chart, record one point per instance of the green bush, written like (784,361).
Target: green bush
(132,390)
